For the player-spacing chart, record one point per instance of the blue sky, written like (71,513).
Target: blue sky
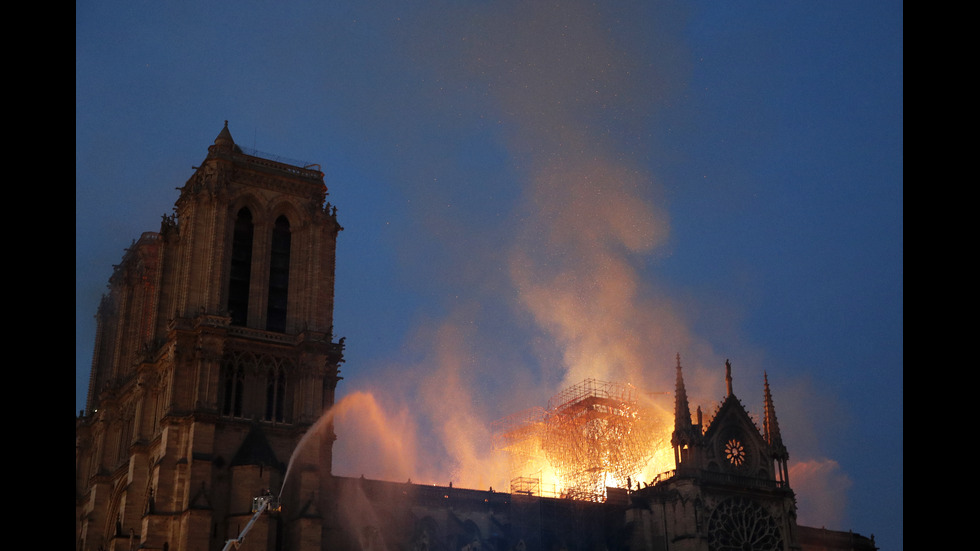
(533,194)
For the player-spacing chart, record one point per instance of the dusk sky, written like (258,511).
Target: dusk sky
(533,193)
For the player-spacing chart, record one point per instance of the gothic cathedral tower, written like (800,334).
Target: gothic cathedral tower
(214,355)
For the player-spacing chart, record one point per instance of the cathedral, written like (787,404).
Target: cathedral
(215,357)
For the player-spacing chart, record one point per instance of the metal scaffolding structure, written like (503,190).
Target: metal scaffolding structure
(593,434)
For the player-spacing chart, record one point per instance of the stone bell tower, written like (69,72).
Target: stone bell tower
(214,355)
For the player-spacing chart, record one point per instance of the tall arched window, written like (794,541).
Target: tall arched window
(278,276)
(241,268)
(234,391)
(275,395)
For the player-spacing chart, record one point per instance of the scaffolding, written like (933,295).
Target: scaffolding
(593,435)
(526,486)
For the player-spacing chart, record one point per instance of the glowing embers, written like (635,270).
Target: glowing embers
(593,435)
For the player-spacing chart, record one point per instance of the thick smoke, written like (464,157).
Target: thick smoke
(556,285)
(565,266)
(821,490)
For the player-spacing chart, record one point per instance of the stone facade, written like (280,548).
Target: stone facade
(215,357)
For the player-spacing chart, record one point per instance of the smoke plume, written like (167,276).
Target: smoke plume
(565,265)
(546,284)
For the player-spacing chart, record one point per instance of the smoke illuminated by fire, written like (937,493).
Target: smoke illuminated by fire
(567,263)
(556,286)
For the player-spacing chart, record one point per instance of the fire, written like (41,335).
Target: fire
(593,435)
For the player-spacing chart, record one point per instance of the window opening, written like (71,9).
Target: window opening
(234,391)
(275,395)
(241,268)
(278,276)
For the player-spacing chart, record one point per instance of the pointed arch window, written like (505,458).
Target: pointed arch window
(275,395)
(234,391)
(241,268)
(278,276)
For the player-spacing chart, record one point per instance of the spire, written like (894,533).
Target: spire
(686,438)
(770,426)
(224,137)
(682,411)
(770,431)
(224,143)
(728,377)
